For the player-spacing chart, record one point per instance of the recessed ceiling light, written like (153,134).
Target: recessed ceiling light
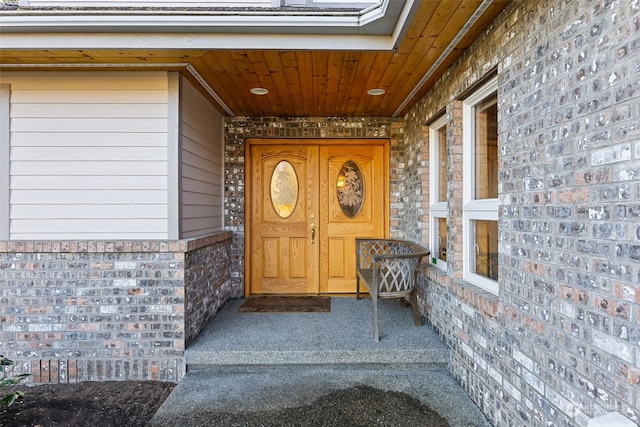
(375,92)
(259,91)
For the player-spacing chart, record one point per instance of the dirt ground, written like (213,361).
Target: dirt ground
(133,403)
(113,403)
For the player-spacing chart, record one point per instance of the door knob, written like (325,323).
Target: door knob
(313,233)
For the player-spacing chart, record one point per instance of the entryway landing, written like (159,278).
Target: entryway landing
(256,368)
(344,335)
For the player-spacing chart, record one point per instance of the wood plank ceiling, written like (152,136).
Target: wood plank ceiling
(310,83)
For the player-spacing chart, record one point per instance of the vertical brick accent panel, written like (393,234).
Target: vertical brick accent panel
(239,128)
(416,207)
(206,281)
(75,311)
(560,343)
(454,189)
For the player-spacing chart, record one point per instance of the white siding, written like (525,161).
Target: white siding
(88,155)
(201,164)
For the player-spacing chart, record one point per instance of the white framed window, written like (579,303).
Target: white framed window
(438,192)
(480,187)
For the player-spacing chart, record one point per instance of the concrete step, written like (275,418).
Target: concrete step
(255,395)
(342,336)
(426,357)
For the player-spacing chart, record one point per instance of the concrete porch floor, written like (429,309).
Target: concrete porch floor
(248,362)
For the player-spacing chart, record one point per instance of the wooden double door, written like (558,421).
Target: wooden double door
(307,202)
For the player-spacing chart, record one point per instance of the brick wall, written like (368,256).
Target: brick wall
(239,128)
(75,311)
(206,281)
(560,343)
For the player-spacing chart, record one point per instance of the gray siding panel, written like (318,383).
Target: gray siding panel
(201,164)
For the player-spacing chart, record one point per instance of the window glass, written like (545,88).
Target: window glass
(486,249)
(350,189)
(442,164)
(440,245)
(486,148)
(284,189)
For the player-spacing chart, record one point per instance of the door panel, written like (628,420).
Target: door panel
(338,230)
(284,255)
(282,259)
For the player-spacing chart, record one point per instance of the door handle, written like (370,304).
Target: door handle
(313,233)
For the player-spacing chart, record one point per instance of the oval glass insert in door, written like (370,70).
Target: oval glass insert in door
(284,189)
(350,189)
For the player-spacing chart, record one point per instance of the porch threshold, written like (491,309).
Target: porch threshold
(342,336)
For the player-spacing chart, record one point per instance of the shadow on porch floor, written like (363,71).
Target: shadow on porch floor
(249,362)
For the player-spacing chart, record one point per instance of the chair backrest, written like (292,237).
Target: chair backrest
(395,263)
(397,275)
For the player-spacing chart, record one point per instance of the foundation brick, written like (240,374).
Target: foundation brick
(102,313)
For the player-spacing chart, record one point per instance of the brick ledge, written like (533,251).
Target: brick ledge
(484,301)
(113,246)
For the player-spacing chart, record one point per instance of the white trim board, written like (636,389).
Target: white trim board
(381,25)
(5,135)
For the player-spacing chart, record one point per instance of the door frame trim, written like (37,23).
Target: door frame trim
(248,213)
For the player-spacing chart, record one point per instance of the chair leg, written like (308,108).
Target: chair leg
(374,301)
(414,306)
(357,287)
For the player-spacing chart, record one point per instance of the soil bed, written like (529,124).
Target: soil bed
(133,403)
(112,403)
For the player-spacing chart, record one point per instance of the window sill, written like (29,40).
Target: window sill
(435,274)
(486,302)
